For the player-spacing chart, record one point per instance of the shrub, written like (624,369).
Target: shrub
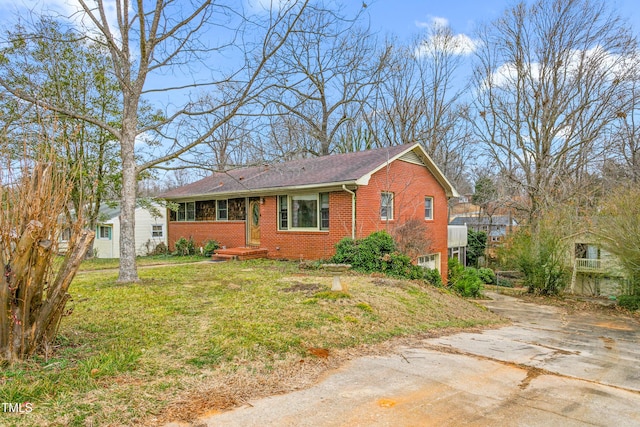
(410,237)
(455,270)
(468,284)
(432,276)
(371,249)
(184,247)
(399,265)
(345,251)
(210,247)
(365,254)
(487,276)
(476,247)
(505,283)
(377,253)
(540,259)
(160,249)
(630,302)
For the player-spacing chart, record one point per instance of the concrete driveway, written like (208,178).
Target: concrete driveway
(547,369)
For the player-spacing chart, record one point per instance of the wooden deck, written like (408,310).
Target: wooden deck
(239,254)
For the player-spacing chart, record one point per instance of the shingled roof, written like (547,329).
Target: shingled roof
(326,171)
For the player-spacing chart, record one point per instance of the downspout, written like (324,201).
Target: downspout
(353,211)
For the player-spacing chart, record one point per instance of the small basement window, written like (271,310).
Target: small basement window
(431,261)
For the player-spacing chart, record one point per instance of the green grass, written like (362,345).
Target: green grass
(129,351)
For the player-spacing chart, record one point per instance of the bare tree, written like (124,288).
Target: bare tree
(624,152)
(172,37)
(419,99)
(324,74)
(551,78)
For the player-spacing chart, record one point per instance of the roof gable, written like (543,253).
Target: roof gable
(349,168)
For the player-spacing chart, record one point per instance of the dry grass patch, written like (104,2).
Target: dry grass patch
(195,338)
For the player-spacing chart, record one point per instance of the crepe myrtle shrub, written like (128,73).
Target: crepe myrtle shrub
(35,285)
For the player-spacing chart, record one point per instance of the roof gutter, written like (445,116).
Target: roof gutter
(353,210)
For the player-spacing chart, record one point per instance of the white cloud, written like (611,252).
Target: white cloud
(67,8)
(607,64)
(434,21)
(457,44)
(441,38)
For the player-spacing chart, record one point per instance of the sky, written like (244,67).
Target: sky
(406,18)
(401,17)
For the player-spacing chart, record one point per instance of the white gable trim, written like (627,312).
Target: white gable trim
(427,162)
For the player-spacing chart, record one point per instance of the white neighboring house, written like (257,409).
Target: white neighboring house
(151,230)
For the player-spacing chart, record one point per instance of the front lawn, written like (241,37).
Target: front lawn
(112,263)
(206,336)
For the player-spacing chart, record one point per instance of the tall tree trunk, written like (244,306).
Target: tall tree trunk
(128,269)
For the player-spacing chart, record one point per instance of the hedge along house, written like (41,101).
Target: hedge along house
(300,209)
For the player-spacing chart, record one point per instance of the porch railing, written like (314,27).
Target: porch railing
(591,265)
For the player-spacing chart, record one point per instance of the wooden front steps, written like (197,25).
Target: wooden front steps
(239,254)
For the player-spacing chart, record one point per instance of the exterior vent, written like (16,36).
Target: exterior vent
(412,157)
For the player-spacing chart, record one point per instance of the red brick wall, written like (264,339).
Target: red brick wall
(410,184)
(228,233)
(305,244)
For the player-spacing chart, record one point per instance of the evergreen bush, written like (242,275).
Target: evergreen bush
(630,302)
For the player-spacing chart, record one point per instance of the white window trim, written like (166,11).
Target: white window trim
(429,260)
(161,236)
(428,218)
(389,207)
(290,227)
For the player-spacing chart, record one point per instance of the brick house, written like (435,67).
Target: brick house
(300,209)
